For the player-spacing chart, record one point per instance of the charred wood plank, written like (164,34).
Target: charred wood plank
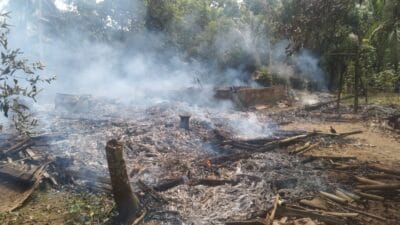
(18,147)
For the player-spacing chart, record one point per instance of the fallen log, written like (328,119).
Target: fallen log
(385,170)
(321,104)
(168,184)
(379,187)
(210,182)
(129,209)
(345,134)
(227,158)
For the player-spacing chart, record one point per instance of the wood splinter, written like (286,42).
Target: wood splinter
(128,205)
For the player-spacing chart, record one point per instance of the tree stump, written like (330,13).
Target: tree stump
(128,205)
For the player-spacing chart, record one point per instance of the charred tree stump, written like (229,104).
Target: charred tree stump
(128,205)
(184,122)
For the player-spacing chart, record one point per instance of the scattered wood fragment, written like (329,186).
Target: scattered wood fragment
(333,197)
(210,182)
(383,176)
(301,148)
(338,158)
(309,148)
(350,194)
(367,181)
(271,216)
(345,134)
(249,222)
(18,147)
(340,214)
(341,166)
(292,212)
(316,203)
(366,214)
(227,158)
(385,170)
(379,187)
(344,196)
(330,157)
(369,196)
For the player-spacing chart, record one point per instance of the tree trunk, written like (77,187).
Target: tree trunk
(357,77)
(340,88)
(127,203)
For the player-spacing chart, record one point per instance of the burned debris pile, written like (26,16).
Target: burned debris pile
(209,167)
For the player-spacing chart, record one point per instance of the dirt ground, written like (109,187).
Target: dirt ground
(373,145)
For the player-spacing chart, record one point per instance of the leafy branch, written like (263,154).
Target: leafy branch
(18,82)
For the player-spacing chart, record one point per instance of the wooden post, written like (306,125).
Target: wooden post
(128,205)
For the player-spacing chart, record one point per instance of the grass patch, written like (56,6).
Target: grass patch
(63,207)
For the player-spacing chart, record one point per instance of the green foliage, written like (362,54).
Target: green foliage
(263,76)
(18,82)
(384,81)
(90,208)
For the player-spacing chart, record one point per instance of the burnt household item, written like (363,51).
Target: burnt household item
(128,205)
(185,120)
